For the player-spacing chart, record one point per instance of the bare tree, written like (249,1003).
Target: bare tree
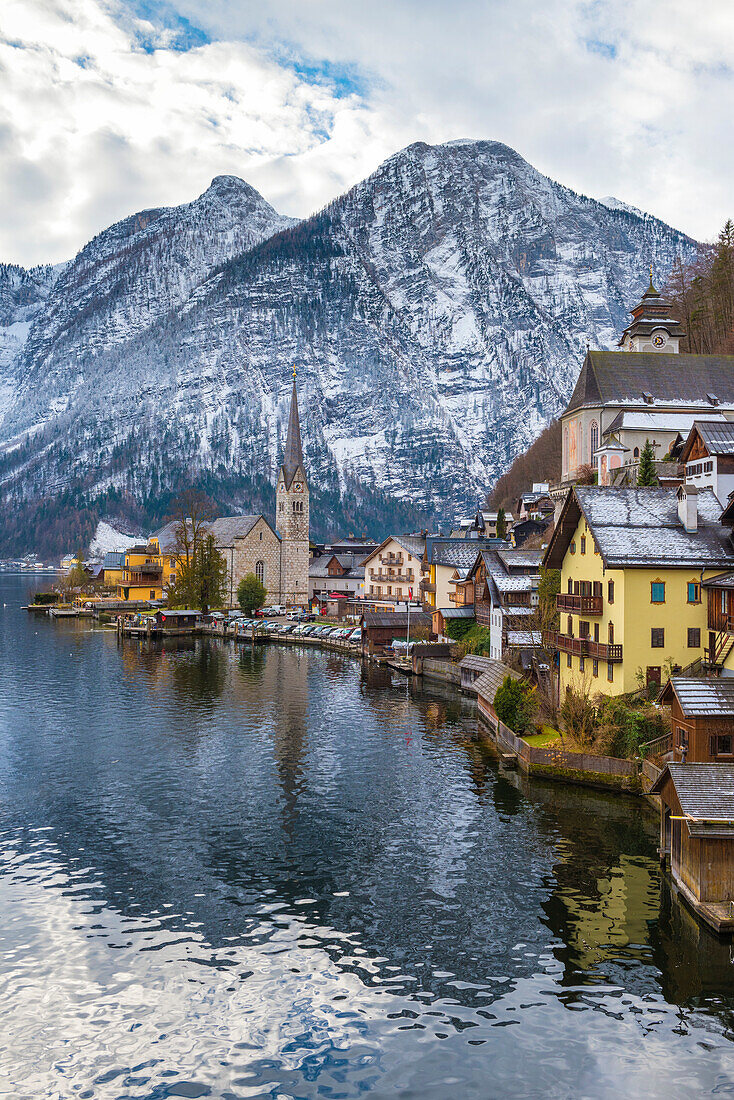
(192,513)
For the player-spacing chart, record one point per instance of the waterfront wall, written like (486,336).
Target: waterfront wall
(573,767)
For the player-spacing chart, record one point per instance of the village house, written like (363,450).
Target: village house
(632,564)
(708,457)
(505,599)
(336,577)
(393,570)
(446,561)
(482,526)
(648,376)
(697,837)
(702,719)
(536,503)
(142,573)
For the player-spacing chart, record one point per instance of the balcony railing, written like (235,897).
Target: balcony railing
(391,559)
(583,647)
(581,605)
(393,578)
(427,586)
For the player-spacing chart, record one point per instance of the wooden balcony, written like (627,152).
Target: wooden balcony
(579,605)
(393,578)
(391,559)
(427,586)
(718,620)
(583,647)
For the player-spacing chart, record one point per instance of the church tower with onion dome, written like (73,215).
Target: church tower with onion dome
(291,513)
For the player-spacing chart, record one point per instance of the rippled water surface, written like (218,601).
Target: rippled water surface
(231,873)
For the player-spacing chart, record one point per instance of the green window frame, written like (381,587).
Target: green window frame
(657,592)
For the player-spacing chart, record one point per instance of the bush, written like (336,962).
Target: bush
(476,640)
(612,726)
(457,629)
(44,598)
(515,703)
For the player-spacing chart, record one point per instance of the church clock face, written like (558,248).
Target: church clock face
(659,340)
(297,487)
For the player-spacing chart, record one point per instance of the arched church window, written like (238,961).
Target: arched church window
(593,439)
(260,571)
(636,452)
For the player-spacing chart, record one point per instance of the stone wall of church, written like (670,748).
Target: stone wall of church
(261,545)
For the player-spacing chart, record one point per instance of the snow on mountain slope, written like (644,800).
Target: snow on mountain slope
(129,276)
(107,539)
(437,314)
(23,294)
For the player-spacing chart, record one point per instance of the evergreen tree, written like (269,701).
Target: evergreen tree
(501,524)
(646,473)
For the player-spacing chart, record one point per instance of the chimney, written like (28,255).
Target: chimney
(688,507)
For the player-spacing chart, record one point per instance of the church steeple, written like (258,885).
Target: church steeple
(292,513)
(653,327)
(293,456)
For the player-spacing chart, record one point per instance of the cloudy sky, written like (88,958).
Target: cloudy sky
(111,106)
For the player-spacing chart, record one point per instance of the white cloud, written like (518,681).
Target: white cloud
(106,113)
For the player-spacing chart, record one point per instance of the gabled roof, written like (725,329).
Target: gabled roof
(706,796)
(623,377)
(641,527)
(712,698)
(225,530)
(492,678)
(521,559)
(717,437)
(455,552)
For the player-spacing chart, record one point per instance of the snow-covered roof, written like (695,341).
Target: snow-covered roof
(637,421)
(524,637)
(641,527)
(676,381)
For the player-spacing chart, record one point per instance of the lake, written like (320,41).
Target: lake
(231,872)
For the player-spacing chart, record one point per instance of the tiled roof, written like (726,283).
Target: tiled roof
(711,698)
(414,544)
(524,637)
(623,377)
(476,663)
(457,612)
(511,584)
(456,552)
(521,559)
(717,436)
(486,685)
(641,527)
(724,580)
(398,619)
(705,793)
(524,611)
(662,421)
(225,529)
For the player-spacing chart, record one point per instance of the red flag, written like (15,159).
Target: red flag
(410,593)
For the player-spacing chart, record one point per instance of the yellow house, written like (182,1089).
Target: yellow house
(142,574)
(445,561)
(632,563)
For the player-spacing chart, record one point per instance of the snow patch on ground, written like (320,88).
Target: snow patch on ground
(107,539)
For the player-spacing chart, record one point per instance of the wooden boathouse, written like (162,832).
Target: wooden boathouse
(702,719)
(697,837)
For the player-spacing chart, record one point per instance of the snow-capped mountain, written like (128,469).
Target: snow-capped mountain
(437,314)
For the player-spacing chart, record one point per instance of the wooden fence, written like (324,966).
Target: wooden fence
(561,759)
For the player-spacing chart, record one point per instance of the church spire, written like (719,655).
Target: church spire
(293,457)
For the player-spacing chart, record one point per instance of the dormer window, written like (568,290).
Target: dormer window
(712,398)
(648,398)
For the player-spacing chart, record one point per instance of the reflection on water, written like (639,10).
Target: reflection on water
(268,872)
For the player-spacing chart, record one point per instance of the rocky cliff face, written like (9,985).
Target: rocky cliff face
(23,294)
(437,314)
